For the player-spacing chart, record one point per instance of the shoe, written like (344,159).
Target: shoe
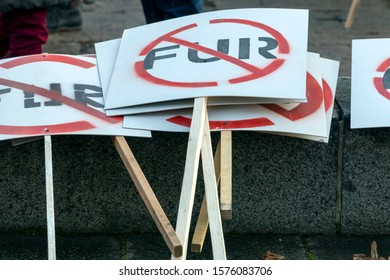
(63,19)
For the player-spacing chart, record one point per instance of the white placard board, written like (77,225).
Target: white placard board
(243,52)
(309,120)
(370,83)
(53,94)
(106,53)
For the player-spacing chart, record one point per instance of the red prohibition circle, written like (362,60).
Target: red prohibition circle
(254,71)
(314,95)
(378,82)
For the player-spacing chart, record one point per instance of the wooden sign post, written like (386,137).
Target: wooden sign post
(51,236)
(223,169)
(148,196)
(199,142)
(226,174)
(351,14)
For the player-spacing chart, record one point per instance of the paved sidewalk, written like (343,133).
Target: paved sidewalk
(151,246)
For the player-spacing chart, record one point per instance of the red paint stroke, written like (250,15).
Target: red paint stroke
(328,96)
(384,65)
(47,57)
(314,97)
(219,125)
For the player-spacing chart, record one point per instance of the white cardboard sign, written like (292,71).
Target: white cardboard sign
(370,87)
(244,52)
(54,94)
(106,53)
(304,120)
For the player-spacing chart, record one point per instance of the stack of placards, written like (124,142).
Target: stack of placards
(252,64)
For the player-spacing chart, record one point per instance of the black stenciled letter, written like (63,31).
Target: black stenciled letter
(244,49)
(29,100)
(271,45)
(222,46)
(151,56)
(86,98)
(5,90)
(57,89)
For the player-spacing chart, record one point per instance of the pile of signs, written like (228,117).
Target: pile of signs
(257,74)
(231,70)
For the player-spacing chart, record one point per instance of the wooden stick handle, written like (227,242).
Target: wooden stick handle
(148,196)
(226,175)
(187,195)
(351,14)
(51,234)
(203,220)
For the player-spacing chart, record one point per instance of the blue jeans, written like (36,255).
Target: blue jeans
(157,10)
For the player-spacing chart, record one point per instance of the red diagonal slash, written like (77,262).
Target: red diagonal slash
(255,72)
(219,125)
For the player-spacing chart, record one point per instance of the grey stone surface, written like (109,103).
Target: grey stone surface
(287,185)
(365,178)
(280,184)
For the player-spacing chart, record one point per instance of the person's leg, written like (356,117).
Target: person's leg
(4,36)
(157,10)
(64,18)
(179,8)
(152,14)
(28,32)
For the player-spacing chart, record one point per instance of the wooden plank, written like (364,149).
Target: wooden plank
(187,195)
(203,221)
(351,14)
(212,200)
(226,175)
(148,196)
(51,234)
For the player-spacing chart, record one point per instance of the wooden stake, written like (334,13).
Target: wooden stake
(351,14)
(190,173)
(203,220)
(226,175)
(51,235)
(148,196)
(213,211)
